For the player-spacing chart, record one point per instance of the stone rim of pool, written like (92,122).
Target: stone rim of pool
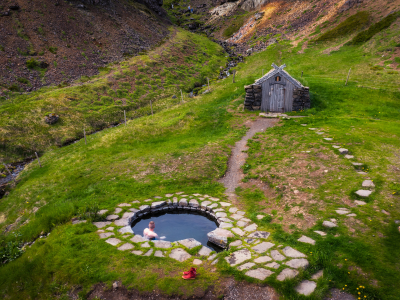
(250,247)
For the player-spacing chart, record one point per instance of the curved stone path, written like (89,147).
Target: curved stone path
(234,174)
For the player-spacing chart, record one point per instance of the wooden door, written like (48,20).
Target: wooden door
(277,98)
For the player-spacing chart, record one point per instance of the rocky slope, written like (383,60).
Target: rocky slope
(52,42)
(253,25)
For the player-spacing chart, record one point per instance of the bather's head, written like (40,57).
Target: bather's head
(152,225)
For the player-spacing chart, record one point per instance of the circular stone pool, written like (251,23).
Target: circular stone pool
(179,225)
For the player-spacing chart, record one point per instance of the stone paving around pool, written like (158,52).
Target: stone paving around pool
(252,254)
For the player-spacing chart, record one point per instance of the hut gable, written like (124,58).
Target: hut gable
(278,71)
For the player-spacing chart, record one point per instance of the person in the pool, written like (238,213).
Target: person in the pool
(149,233)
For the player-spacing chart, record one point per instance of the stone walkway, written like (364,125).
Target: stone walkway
(252,252)
(367,186)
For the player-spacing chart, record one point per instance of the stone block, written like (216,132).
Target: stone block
(246,266)
(221,214)
(298,263)
(125,246)
(259,273)
(328,224)
(193,203)
(251,227)
(238,257)
(162,244)
(277,256)
(264,246)
(259,234)
(179,254)
(363,193)
(305,239)
(204,251)
(236,216)
(112,217)
(105,235)
(368,183)
(138,239)
(287,274)
(144,208)
(219,237)
(113,241)
(236,243)
(225,225)
(273,265)
(189,243)
(183,203)
(101,224)
(290,252)
(262,259)
(238,231)
(126,229)
(158,204)
(306,287)
(159,253)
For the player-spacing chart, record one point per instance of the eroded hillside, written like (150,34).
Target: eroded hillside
(52,42)
(250,25)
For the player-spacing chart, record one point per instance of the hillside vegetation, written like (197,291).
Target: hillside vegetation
(97,102)
(294,179)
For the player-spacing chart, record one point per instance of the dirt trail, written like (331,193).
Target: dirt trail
(234,174)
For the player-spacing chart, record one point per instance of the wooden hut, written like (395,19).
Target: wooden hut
(277,91)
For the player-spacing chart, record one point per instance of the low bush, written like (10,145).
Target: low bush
(53,50)
(32,63)
(23,80)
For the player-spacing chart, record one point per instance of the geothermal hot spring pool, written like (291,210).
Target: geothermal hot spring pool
(178,225)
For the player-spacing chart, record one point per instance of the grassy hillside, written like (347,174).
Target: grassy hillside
(186,148)
(94,103)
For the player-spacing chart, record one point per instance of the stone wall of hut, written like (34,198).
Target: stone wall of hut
(252,100)
(301,99)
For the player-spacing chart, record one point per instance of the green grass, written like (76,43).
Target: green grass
(350,25)
(186,148)
(82,106)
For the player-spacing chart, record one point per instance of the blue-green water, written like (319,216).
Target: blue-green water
(179,225)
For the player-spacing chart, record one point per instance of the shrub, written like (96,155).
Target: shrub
(1,48)
(32,63)
(366,35)
(350,25)
(53,50)
(106,100)
(90,211)
(23,80)
(10,251)
(376,68)
(397,60)
(14,87)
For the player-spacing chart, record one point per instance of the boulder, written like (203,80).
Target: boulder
(51,119)
(219,237)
